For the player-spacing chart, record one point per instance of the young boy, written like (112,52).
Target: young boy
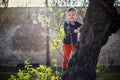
(71,28)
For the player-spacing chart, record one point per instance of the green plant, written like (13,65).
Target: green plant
(40,73)
(58,30)
(101,69)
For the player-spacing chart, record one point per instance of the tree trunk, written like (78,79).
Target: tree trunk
(100,22)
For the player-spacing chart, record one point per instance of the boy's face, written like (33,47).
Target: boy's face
(71,16)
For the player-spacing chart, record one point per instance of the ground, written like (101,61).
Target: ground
(111,73)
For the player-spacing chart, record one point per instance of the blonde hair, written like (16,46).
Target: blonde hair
(71,9)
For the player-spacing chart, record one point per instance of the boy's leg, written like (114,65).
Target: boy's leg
(72,51)
(66,50)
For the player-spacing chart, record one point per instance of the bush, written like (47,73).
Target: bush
(40,73)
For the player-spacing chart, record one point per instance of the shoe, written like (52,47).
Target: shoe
(63,70)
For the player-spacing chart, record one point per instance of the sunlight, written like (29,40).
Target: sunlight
(26,3)
(41,3)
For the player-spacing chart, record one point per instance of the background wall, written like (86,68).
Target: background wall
(22,40)
(110,53)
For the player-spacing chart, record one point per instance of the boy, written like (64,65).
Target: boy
(71,28)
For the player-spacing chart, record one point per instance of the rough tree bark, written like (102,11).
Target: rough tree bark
(100,22)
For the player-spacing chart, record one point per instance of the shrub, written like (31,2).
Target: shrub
(40,73)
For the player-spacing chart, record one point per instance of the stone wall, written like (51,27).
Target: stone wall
(21,39)
(110,53)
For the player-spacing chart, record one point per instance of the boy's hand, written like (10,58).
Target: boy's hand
(77,30)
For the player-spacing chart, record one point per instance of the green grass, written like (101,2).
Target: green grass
(109,76)
(109,73)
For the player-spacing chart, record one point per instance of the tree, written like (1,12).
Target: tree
(47,40)
(102,19)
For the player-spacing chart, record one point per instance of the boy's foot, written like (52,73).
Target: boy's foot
(62,72)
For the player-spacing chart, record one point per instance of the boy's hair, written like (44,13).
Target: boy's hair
(71,9)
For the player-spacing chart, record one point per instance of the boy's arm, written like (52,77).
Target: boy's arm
(77,30)
(67,28)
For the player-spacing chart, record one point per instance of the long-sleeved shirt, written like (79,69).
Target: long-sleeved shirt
(70,36)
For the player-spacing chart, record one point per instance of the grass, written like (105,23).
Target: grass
(111,73)
(109,76)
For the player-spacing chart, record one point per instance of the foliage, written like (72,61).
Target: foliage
(101,68)
(84,8)
(4,3)
(40,73)
(59,31)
